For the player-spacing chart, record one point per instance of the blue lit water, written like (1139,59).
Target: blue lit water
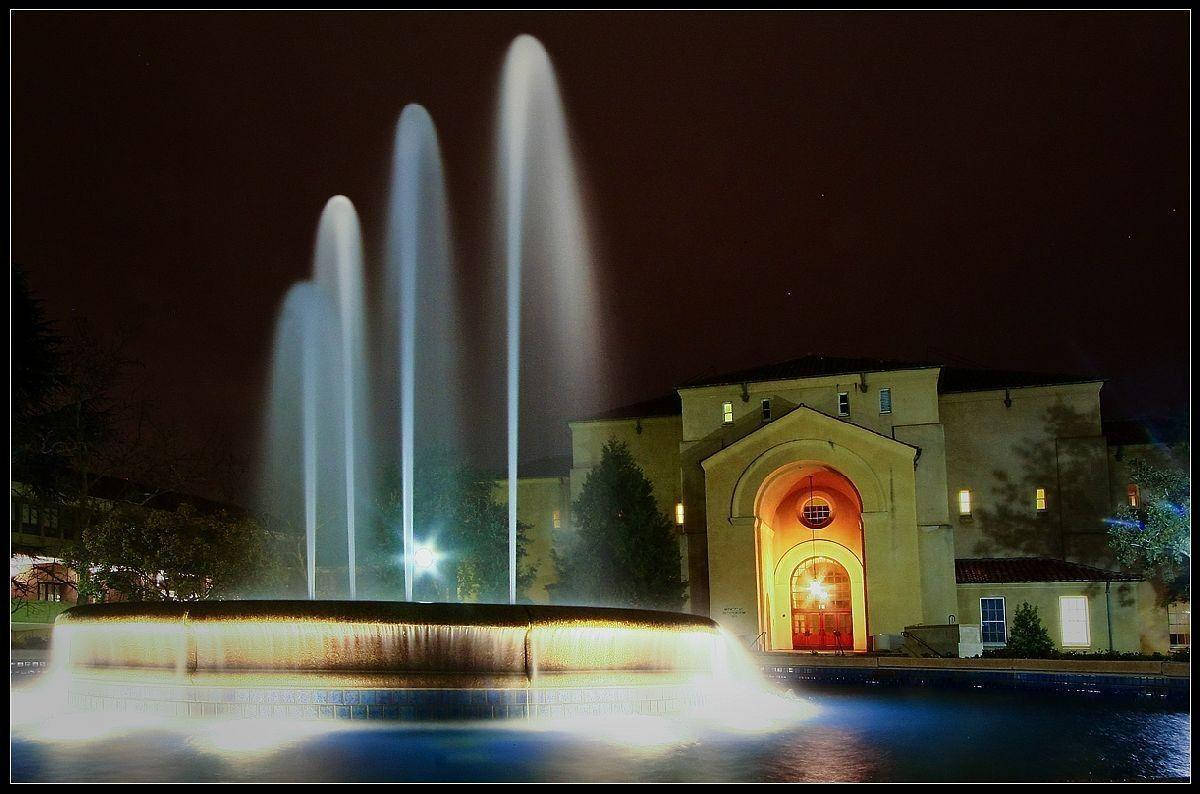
(854,734)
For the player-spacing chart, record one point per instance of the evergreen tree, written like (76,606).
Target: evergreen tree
(1028,638)
(1155,536)
(623,550)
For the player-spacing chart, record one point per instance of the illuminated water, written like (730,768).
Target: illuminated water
(842,733)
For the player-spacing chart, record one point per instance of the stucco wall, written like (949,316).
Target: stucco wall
(1138,624)
(537,500)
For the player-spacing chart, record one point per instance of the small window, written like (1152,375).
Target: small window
(885,401)
(1073,616)
(992,629)
(1179,622)
(1039,499)
(843,403)
(727,412)
(816,513)
(1134,494)
(679,514)
(964,502)
(556,519)
(49,591)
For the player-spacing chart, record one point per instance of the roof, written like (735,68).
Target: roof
(960,379)
(810,366)
(953,379)
(666,405)
(997,570)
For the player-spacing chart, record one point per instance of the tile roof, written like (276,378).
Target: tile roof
(997,570)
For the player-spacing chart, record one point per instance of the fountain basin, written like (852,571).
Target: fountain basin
(368,659)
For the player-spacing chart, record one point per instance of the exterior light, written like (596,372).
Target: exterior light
(679,513)
(424,558)
(817,590)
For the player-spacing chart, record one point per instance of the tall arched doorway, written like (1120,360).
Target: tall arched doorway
(822,612)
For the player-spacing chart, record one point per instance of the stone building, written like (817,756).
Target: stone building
(830,503)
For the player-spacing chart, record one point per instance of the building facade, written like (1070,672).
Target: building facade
(831,503)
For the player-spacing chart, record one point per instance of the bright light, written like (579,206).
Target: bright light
(424,558)
(817,590)
(679,513)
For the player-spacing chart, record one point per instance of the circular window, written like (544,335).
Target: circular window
(816,513)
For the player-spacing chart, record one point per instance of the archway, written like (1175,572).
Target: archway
(810,544)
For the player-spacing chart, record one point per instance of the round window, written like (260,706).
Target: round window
(816,513)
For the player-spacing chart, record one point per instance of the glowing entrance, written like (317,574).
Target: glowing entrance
(822,614)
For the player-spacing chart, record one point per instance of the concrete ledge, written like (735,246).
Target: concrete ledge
(1097,666)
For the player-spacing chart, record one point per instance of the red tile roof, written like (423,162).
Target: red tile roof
(995,570)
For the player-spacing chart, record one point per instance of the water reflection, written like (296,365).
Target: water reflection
(841,734)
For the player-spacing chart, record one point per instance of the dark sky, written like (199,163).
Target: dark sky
(1002,189)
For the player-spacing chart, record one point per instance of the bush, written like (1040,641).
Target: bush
(1029,638)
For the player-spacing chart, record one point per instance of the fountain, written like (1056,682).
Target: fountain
(350,658)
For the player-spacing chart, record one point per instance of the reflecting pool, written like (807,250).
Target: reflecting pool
(845,734)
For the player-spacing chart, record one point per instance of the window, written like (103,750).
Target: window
(816,513)
(679,513)
(49,591)
(992,630)
(556,519)
(964,502)
(1134,494)
(1039,499)
(885,401)
(727,412)
(843,403)
(766,410)
(1179,623)
(1073,615)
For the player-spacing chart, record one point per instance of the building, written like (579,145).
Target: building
(828,503)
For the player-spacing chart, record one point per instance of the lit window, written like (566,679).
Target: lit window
(766,410)
(1135,495)
(727,412)
(885,401)
(679,514)
(816,513)
(1179,622)
(1039,499)
(556,518)
(49,591)
(843,403)
(991,621)
(1073,616)
(964,502)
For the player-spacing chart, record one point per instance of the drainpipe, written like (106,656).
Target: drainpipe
(1108,611)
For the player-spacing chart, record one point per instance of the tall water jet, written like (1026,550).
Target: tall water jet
(303,351)
(338,269)
(543,212)
(419,293)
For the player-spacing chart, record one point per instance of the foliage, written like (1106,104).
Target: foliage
(455,510)
(1096,656)
(1156,535)
(623,550)
(1028,638)
(155,555)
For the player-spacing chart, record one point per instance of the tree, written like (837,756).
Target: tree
(623,551)
(147,554)
(1155,535)
(1028,638)
(456,511)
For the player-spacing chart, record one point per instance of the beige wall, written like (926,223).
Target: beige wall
(1138,624)
(537,500)
(1048,438)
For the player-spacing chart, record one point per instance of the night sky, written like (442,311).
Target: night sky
(1003,190)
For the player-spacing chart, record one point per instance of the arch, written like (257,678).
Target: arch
(779,593)
(783,460)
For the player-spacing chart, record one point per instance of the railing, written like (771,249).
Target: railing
(930,648)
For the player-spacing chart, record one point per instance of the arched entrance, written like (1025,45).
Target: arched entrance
(822,611)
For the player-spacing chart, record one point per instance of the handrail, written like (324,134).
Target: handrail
(932,650)
(755,641)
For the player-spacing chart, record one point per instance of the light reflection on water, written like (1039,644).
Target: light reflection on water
(836,734)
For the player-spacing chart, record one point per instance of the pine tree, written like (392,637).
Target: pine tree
(1028,638)
(623,550)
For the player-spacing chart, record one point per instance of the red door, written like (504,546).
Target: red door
(822,617)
